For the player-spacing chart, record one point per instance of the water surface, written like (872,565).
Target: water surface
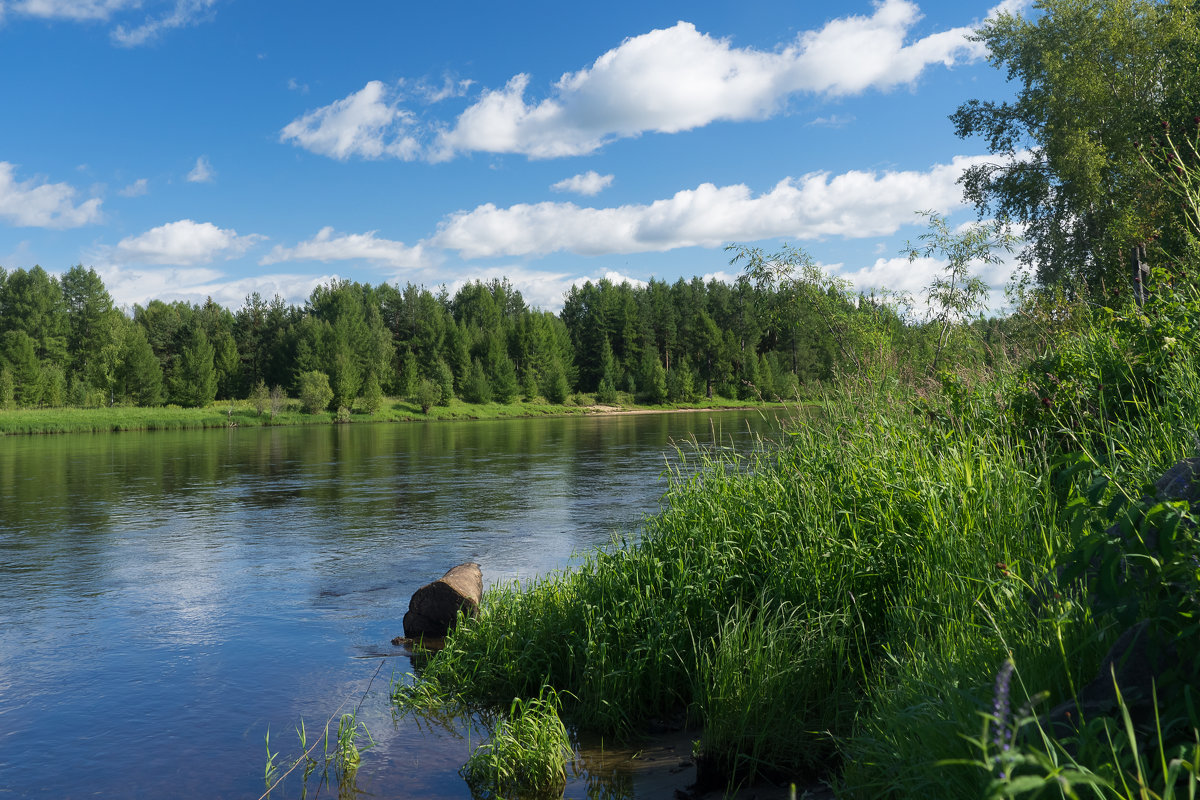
(165,598)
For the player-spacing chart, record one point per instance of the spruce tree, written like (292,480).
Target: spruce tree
(195,380)
(139,374)
(476,388)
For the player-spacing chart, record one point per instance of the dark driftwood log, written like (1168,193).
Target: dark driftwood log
(434,607)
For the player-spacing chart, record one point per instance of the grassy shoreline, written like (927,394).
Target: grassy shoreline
(870,597)
(243,415)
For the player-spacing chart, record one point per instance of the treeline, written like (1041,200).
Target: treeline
(63,342)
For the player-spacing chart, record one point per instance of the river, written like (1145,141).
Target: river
(168,598)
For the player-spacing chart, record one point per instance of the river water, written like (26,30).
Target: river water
(168,598)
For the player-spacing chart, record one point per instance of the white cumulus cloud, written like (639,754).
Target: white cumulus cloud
(587,183)
(543,289)
(665,81)
(852,204)
(184,243)
(42,205)
(202,172)
(128,285)
(325,246)
(368,123)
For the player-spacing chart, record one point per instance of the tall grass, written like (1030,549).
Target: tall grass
(773,589)
(846,593)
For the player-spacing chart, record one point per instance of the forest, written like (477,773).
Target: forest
(63,342)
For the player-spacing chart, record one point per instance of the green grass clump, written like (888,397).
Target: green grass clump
(526,755)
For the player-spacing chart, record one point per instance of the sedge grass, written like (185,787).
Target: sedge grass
(526,754)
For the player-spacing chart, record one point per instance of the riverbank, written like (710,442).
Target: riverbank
(880,596)
(242,414)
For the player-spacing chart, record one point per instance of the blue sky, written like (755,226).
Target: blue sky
(195,148)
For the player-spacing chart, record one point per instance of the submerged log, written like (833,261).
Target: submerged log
(433,609)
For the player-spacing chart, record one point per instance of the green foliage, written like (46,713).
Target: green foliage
(7,389)
(194,381)
(339,759)
(372,395)
(681,383)
(1094,82)
(428,394)
(260,397)
(139,376)
(804,296)
(525,755)
(529,386)
(445,381)
(315,393)
(476,388)
(502,377)
(53,390)
(606,393)
(554,383)
(956,294)
(653,379)
(18,351)
(1117,365)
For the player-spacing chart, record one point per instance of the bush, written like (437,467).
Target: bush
(428,394)
(315,393)
(260,397)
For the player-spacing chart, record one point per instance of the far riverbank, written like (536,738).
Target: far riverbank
(227,414)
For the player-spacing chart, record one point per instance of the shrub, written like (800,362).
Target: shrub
(428,394)
(315,393)
(278,399)
(260,397)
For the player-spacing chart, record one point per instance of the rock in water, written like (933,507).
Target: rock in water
(434,607)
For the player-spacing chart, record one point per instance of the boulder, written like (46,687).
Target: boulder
(434,607)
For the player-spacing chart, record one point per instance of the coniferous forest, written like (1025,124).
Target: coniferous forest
(63,342)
